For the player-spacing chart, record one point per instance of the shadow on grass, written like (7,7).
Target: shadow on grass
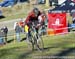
(23,39)
(48,48)
(65,52)
(2,17)
(26,54)
(4,52)
(10,41)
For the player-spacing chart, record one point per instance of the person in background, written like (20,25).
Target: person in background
(73,16)
(42,19)
(5,30)
(17,29)
(1,37)
(21,24)
(74,20)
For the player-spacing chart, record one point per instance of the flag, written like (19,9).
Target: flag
(57,22)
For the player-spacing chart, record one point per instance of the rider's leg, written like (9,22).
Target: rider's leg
(28,35)
(37,32)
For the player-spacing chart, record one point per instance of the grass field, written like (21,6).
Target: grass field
(59,46)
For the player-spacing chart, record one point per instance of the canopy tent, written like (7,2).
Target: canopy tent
(66,6)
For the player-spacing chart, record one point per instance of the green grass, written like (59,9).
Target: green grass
(60,45)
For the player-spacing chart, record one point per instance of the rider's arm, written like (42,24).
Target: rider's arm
(40,19)
(28,17)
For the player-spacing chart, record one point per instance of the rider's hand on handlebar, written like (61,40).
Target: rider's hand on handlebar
(38,25)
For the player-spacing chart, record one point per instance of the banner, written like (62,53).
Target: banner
(57,22)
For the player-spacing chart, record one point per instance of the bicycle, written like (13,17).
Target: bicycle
(35,39)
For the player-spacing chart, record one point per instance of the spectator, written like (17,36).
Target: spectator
(1,14)
(50,1)
(43,18)
(5,30)
(74,20)
(73,16)
(1,37)
(69,25)
(21,24)
(17,31)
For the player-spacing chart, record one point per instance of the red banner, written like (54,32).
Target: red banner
(57,22)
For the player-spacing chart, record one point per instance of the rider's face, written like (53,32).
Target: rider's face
(36,15)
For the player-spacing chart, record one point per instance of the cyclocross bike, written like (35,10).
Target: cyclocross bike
(35,38)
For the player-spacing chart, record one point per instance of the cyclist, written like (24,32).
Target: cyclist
(33,21)
(33,18)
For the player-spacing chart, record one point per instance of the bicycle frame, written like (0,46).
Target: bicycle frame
(34,37)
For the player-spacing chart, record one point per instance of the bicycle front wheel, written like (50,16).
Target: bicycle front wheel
(40,43)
